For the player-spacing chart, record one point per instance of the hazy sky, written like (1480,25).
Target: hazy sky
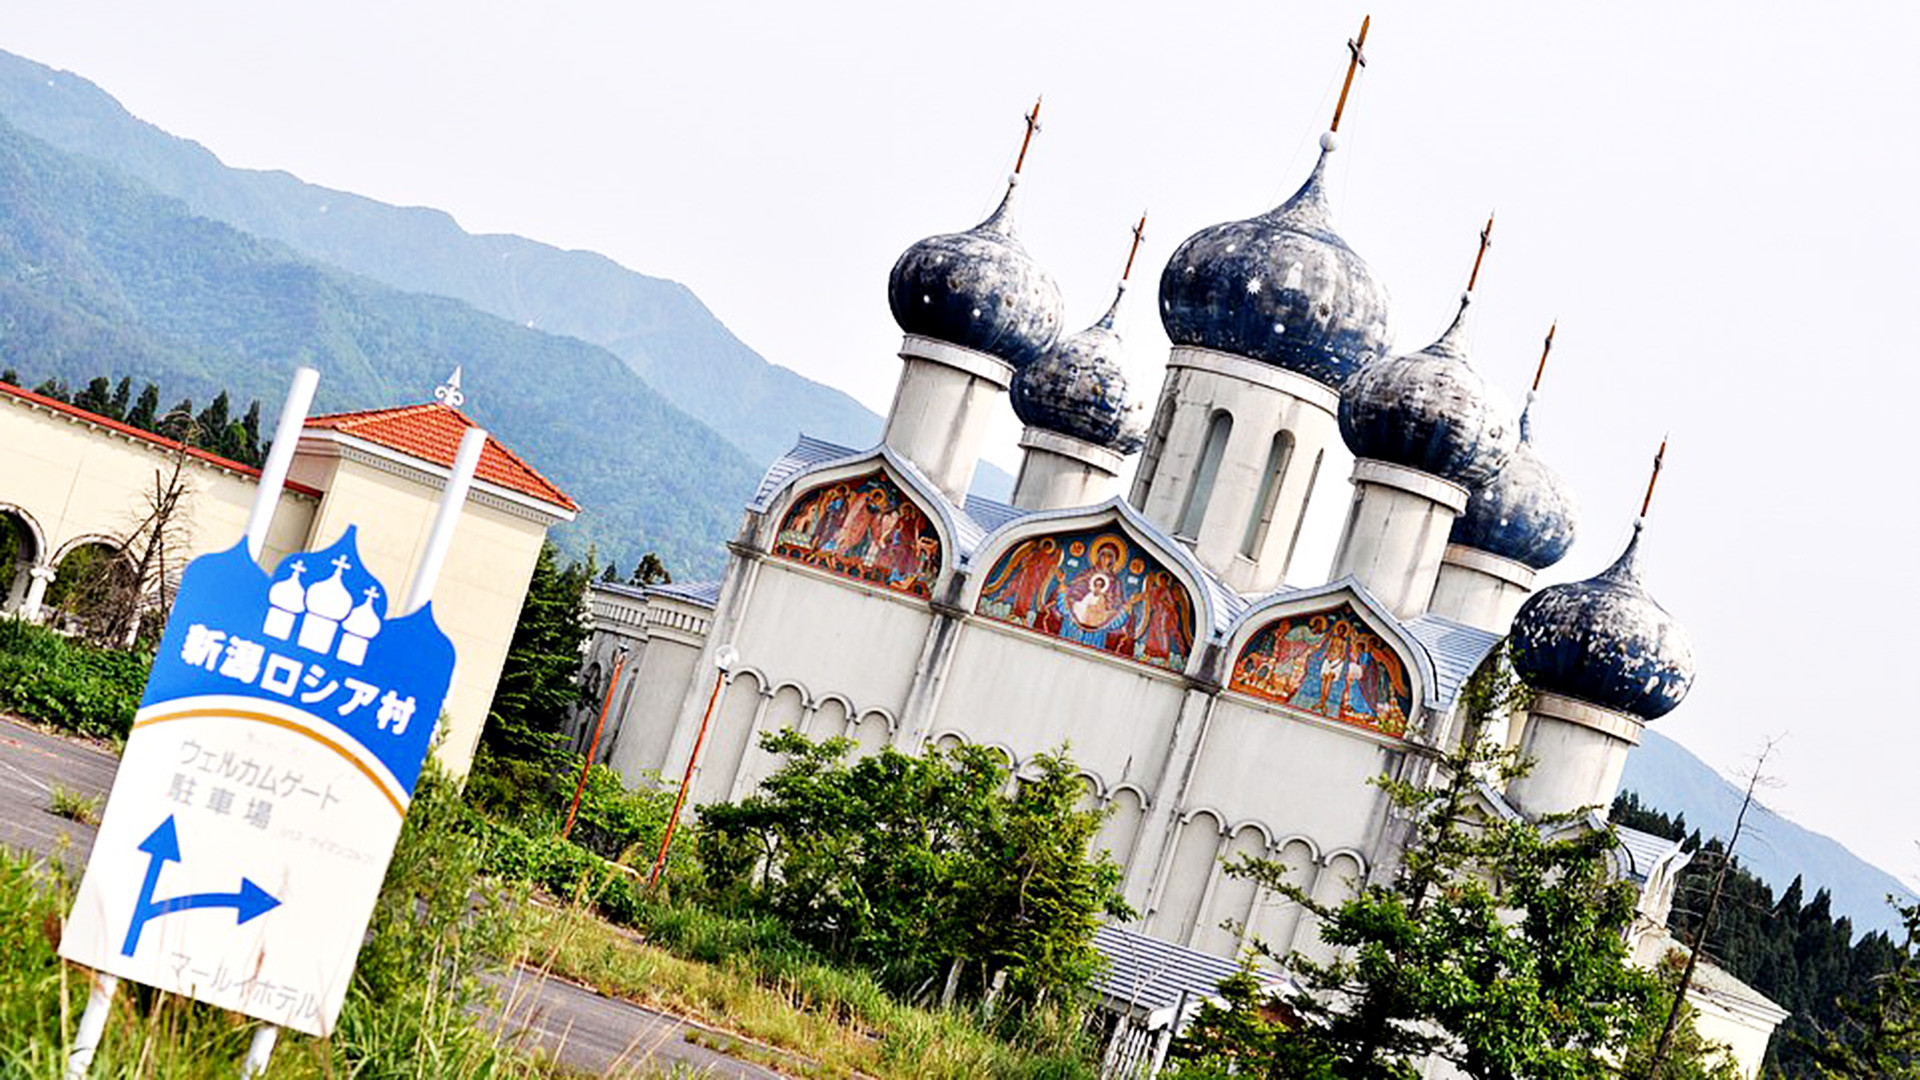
(1717,201)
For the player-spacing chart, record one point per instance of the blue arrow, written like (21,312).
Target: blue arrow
(162,846)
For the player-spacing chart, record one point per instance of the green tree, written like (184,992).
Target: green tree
(122,398)
(522,764)
(650,571)
(1497,945)
(97,397)
(921,869)
(1879,1036)
(144,413)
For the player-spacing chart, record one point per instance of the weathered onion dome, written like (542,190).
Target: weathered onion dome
(1430,411)
(1282,288)
(1079,389)
(1605,641)
(1525,513)
(978,289)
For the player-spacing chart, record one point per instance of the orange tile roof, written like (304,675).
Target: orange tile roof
(161,441)
(432,432)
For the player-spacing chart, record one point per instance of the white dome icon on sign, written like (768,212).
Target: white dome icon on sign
(288,599)
(359,626)
(327,603)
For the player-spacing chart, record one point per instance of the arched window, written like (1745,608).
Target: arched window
(1278,456)
(1313,479)
(1143,476)
(1195,511)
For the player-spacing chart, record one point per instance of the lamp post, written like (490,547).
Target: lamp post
(593,746)
(724,660)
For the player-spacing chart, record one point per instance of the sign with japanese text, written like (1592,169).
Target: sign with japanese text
(262,789)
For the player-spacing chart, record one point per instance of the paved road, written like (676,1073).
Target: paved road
(581,1029)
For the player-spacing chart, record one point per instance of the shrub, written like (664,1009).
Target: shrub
(69,684)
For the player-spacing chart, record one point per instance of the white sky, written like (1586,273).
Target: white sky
(1717,201)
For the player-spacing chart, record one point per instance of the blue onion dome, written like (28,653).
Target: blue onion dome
(1282,288)
(1605,641)
(1525,513)
(1079,389)
(978,289)
(1430,411)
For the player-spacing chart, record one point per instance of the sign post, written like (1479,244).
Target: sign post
(285,723)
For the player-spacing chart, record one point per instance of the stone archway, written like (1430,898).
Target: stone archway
(22,547)
(92,589)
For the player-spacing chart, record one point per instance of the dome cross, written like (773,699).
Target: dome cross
(1033,125)
(1486,241)
(1356,59)
(1544,350)
(1655,478)
(1139,237)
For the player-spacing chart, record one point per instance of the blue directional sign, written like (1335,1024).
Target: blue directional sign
(284,727)
(162,848)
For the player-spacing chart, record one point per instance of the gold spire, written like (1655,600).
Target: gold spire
(1544,350)
(1486,241)
(1139,237)
(1655,478)
(1356,59)
(1033,125)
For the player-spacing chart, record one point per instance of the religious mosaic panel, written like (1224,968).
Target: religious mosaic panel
(1331,664)
(1095,588)
(864,528)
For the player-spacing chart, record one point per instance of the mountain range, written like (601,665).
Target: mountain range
(658,327)
(1669,777)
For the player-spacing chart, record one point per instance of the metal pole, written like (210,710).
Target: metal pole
(452,500)
(273,475)
(259,1050)
(93,1022)
(725,659)
(593,747)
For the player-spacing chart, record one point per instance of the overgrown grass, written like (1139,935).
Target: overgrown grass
(409,1014)
(747,977)
(67,683)
(74,806)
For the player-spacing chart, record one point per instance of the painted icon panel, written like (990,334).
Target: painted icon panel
(1095,588)
(864,528)
(1329,663)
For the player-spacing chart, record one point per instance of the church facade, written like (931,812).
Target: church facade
(1214,708)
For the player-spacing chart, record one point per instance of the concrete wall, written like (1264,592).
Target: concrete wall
(477,599)
(70,481)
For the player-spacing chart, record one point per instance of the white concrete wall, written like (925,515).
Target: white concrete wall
(1263,401)
(1577,751)
(1466,592)
(1396,534)
(943,406)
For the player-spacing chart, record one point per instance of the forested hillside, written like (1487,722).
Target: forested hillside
(1791,949)
(658,327)
(98,274)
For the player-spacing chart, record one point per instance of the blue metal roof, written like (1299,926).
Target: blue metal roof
(1456,648)
(1644,851)
(990,513)
(805,454)
(1145,975)
(704,593)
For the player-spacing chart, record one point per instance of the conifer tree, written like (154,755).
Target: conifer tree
(122,398)
(145,411)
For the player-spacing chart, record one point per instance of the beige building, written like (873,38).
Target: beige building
(73,481)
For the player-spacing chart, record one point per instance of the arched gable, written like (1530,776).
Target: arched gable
(868,522)
(1097,579)
(1333,654)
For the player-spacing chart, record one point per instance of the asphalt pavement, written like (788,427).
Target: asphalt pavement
(577,1027)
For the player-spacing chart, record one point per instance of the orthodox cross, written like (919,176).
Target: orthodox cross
(341,563)
(1651,480)
(1139,236)
(1486,241)
(1356,59)
(1033,125)
(1544,350)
